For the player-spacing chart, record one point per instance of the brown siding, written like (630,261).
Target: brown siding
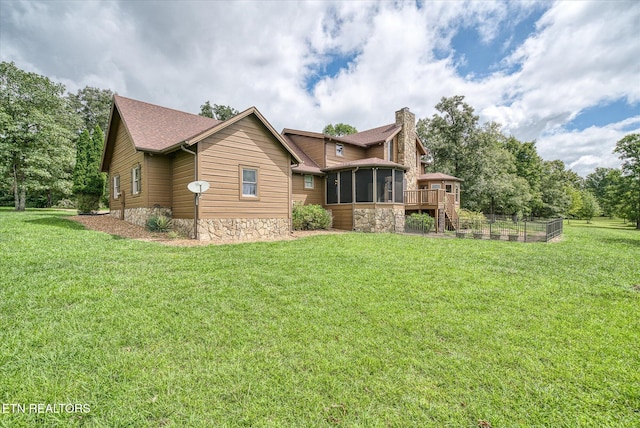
(308,196)
(124,158)
(351,153)
(246,143)
(313,147)
(342,216)
(183,174)
(158,183)
(377,151)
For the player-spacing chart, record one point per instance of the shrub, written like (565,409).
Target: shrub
(159,223)
(310,217)
(65,203)
(470,219)
(422,221)
(88,203)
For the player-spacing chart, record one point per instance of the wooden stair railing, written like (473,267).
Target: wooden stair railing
(450,210)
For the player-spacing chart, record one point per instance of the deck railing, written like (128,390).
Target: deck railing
(424,197)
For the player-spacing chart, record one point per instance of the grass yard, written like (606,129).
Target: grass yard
(335,330)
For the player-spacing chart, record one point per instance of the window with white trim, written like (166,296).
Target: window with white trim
(249,182)
(339,149)
(435,186)
(308,181)
(135,180)
(116,187)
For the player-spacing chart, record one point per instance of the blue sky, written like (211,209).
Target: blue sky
(565,74)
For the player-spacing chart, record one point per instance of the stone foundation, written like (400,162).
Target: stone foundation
(378,219)
(242,229)
(139,216)
(183,226)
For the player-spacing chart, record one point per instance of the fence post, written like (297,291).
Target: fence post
(525,231)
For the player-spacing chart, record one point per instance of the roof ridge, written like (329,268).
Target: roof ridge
(166,108)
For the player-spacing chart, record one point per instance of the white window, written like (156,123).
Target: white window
(116,187)
(135,180)
(339,150)
(435,186)
(249,182)
(308,181)
(390,151)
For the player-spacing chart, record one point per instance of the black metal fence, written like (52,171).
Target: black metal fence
(418,224)
(511,229)
(497,228)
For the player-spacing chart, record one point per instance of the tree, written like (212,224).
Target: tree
(590,207)
(575,207)
(220,112)
(93,105)
(339,129)
(601,184)
(206,110)
(528,166)
(450,134)
(36,134)
(628,150)
(88,181)
(555,190)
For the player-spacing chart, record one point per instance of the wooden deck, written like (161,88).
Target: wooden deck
(436,200)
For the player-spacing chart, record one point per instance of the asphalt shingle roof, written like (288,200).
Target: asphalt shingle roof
(156,128)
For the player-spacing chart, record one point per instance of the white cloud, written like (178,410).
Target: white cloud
(180,54)
(583,151)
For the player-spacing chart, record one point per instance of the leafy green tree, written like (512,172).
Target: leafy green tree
(528,166)
(88,181)
(36,134)
(590,207)
(601,183)
(479,155)
(93,105)
(339,129)
(448,135)
(575,207)
(628,149)
(218,111)
(555,188)
(206,110)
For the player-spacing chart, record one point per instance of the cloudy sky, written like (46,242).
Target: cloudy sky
(565,74)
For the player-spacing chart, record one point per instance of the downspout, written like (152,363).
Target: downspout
(196,195)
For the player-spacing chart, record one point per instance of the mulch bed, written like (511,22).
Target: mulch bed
(114,226)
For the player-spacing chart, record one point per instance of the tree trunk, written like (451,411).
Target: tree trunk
(19,192)
(21,199)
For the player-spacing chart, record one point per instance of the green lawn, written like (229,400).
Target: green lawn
(335,330)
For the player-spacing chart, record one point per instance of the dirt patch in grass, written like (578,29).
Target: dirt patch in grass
(114,226)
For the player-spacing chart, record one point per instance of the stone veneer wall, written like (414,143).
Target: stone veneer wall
(241,229)
(407,146)
(139,216)
(378,219)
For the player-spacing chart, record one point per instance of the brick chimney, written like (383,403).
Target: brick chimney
(407,154)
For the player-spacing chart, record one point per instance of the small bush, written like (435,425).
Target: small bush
(159,223)
(422,221)
(65,203)
(310,217)
(470,219)
(88,203)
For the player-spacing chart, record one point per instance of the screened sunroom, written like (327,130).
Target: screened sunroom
(366,195)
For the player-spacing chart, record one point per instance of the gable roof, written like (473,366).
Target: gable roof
(307,165)
(370,136)
(248,112)
(156,129)
(438,176)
